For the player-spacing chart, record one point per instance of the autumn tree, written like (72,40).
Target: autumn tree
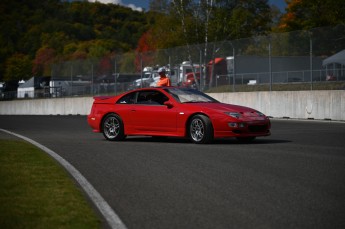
(308,14)
(73,29)
(145,45)
(105,67)
(42,62)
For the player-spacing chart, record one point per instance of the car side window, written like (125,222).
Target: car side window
(127,99)
(151,98)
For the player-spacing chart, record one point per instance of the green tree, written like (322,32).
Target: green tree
(126,64)
(18,67)
(161,6)
(239,19)
(206,21)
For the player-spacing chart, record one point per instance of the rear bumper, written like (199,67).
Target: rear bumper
(93,123)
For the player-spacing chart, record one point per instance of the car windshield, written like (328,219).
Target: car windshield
(187,95)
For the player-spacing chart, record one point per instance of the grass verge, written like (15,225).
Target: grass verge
(36,192)
(279,87)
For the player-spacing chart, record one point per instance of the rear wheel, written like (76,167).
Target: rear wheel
(112,128)
(200,129)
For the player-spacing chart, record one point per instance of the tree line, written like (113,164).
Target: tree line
(34,33)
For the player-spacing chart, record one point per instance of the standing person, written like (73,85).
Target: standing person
(164,80)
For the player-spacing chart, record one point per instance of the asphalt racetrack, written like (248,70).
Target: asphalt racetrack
(294,178)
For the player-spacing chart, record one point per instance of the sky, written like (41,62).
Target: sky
(141,5)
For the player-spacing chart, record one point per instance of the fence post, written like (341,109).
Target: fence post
(270,62)
(141,70)
(92,89)
(311,61)
(71,94)
(231,69)
(202,79)
(115,75)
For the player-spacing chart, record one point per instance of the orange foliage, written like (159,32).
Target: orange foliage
(105,66)
(145,44)
(290,15)
(44,57)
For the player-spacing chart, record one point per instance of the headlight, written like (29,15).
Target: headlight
(233,114)
(236,124)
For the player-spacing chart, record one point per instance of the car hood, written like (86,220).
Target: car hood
(223,107)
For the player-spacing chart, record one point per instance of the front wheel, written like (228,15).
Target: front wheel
(200,129)
(112,128)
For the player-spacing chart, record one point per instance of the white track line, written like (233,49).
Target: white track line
(111,217)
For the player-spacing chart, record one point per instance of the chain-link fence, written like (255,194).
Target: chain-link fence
(300,60)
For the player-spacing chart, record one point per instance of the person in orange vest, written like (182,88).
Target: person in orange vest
(164,80)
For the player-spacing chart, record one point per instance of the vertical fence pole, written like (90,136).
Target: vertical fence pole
(202,79)
(50,82)
(311,61)
(92,80)
(170,68)
(71,94)
(115,76)
(141,70)
(270,63)
(234,69)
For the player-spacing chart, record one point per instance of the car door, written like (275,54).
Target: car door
(149,115)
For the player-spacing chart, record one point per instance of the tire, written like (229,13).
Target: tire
(112,128)
(200,129)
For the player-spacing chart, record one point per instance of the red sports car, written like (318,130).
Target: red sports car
(175,112)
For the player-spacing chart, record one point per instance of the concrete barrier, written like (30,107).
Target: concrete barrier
(54,106)
(291,104)
(280,104)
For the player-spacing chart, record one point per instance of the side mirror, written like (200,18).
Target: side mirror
(168,104)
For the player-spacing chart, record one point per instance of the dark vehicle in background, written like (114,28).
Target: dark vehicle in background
(8,90)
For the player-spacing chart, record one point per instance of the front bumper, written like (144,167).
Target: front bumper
(246,129)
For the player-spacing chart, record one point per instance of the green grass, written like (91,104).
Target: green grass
(279,87)
(36,192)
